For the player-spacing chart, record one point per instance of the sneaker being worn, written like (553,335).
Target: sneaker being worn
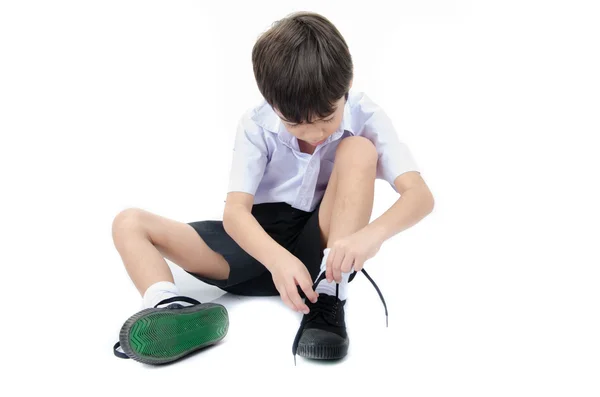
(322,334)
(161,335)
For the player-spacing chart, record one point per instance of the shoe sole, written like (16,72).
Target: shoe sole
(323,352)
(159,336)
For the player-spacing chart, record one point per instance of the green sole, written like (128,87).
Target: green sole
(159,336)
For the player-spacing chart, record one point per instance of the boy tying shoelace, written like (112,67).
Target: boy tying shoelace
(299,202)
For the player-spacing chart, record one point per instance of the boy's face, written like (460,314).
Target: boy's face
(316,133)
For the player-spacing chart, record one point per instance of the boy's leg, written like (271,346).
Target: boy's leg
(348,201)
(172,330)
(144,239)
(345,209)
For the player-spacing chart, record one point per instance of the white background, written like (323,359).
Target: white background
(114,104)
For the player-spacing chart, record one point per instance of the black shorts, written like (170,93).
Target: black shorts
(296,230)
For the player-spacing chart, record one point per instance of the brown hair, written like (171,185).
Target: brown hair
(302,66)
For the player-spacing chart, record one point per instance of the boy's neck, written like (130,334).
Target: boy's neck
(305,147)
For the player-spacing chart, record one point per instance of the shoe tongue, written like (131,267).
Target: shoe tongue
(328,299)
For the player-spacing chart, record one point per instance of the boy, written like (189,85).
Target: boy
(298,206)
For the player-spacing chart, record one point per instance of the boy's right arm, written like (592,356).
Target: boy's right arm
(287,270)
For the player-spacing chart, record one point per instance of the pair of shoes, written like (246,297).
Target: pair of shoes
(162,335)
(322,334)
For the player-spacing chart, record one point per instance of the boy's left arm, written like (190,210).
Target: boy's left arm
(414,204)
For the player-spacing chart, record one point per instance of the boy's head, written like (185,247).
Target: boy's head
(304,70)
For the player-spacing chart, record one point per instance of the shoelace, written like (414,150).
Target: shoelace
(163,302)
(327,311)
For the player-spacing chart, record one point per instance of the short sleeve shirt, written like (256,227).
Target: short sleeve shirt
(268,164)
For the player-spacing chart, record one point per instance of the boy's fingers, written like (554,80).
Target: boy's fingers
(347,264)
(295,298)
(286,299)
(337,271)
(358,264)
(306,286)
(329,271)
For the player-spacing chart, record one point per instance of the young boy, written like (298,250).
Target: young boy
(296,219)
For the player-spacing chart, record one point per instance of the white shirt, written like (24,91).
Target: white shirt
(268,163)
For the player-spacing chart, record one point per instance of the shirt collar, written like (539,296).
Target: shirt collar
(265,117)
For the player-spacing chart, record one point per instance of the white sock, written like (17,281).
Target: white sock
(160,291)
(325,287)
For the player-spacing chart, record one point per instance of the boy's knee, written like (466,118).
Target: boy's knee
(357,149)
(128,219)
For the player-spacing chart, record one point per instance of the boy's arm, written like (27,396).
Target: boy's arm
(397,166)
(243,227)
(250,158)
(287,270)
(414,204)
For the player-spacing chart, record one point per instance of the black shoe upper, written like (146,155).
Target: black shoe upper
(327,314)
(172,305)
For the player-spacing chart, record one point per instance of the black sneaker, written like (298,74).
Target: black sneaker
(161,335)
(322,334)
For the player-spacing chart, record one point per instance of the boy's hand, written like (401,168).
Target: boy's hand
(351,253)
(287,273)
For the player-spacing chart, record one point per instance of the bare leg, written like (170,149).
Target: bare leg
(144,239)
(348,201)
